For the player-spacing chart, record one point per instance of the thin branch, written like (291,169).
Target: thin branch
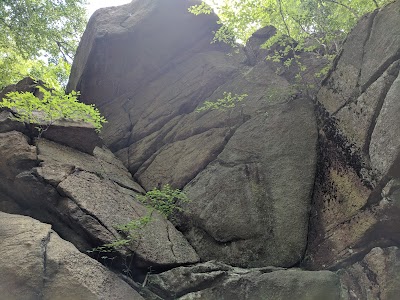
(283,17)
(345,6)
(64,52)
(376,3)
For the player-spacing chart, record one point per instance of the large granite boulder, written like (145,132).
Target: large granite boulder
(85,197)
(355,207)
(148,66)
(37,264)
(213,280)
(250,206)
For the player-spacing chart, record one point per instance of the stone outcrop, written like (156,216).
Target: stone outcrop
(289,198)
(213,280)
(232,163)
(243,201)
(75,134)
(37,264)
(356,190)
(85,197)
(376,276)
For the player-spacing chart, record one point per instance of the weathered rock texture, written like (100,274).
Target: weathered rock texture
(37,264)
(214,280)
(376,276)
(84,197)
(249,171)
(356,204)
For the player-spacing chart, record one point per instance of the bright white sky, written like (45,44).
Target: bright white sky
(96,4)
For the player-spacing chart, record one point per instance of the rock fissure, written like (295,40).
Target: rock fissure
(250,173)
(127,187)
(169,239)
(45,275)
(67,194)
(385,65)
(218,277)
(378,110)
(129,142)
(214,155)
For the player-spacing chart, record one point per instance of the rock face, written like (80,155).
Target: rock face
(356,190)
(253,172)
(85,197)
(376,276)
(37,264)
(243,201)
(214,280)
(148,65)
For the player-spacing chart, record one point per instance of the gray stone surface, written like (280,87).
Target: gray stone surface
(16,154)
(376,276)
(149,87)
(254,198)
(385,140)
(157,244)
(37,264)
(212,280)
(382,47)
(358,145)
(85,197)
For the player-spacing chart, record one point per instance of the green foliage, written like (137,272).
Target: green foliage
(110,247)
(278,94)
(53,105)
(311,23)
(227,102)
(35,35)
(317,26)
(130,230)
(202,8)
(164,200)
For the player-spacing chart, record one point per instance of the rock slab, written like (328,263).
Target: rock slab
(44,266)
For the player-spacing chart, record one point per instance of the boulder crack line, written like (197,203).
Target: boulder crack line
(43,249)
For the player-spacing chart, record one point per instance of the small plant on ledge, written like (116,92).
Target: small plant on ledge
(164,200)
(52,106)
(228,101)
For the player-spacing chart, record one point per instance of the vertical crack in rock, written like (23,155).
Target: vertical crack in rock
(147,161)
(129,141)
(217,152)
(169,239)
(345,103)
(377,112)
(63,193)
(380,70)
(43,251)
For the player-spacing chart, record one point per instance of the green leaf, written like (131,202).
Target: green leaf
(54,105)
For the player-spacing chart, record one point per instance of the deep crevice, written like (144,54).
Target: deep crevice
(380,71)
(63,193)
(169,239)
(377,112)
(43,250)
